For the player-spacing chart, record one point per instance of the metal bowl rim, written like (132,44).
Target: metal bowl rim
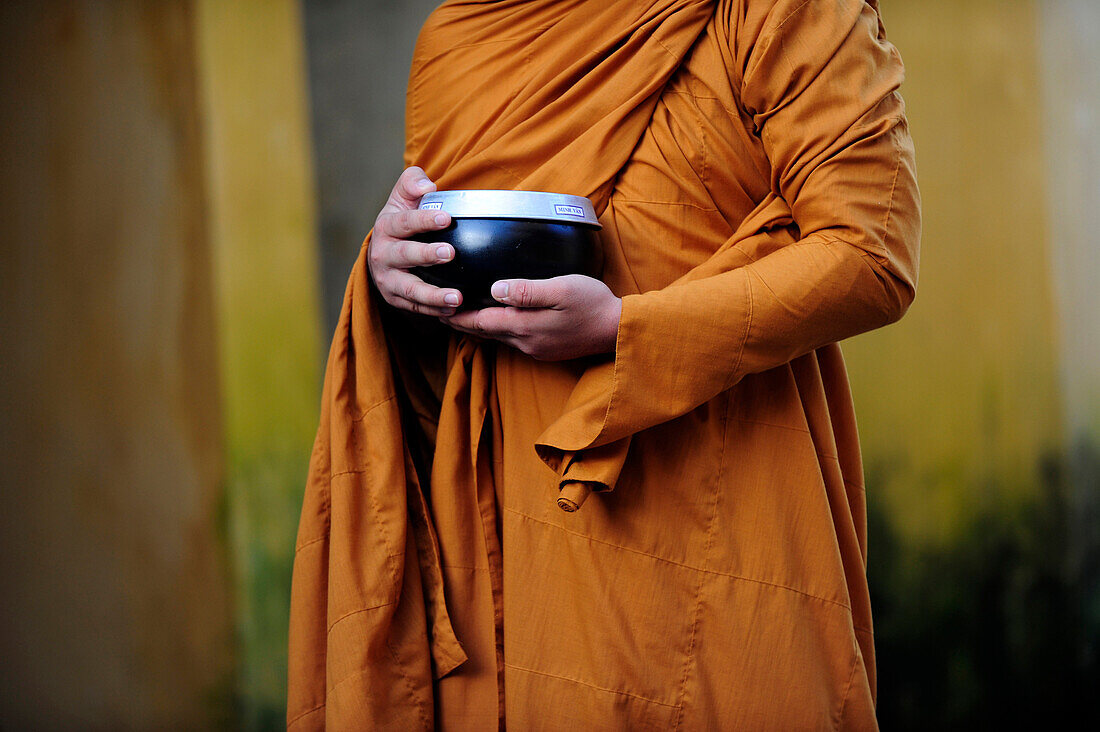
(499,204)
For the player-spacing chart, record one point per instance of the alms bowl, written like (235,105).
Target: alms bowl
(500,235)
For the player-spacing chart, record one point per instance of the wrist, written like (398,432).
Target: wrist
(611,324)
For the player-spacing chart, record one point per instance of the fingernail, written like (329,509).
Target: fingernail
(500,290)
(444,253)
(450,298)
(423,184)
(441,219)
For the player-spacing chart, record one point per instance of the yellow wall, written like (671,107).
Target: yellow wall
(161,355)
(113,591)
(1070,113)
(263,237)
(959,402)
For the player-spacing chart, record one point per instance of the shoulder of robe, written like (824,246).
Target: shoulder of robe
(440,34)
(432,38)
(748,23)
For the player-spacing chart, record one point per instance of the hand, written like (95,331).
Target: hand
(390,255)
(550,320)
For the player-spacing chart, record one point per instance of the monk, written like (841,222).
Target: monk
(752,168)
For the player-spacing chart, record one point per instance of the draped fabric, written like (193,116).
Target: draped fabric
(752,168)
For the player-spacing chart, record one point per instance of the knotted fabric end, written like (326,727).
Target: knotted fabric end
(573,495)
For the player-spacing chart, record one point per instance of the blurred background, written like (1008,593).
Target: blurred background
(183,188)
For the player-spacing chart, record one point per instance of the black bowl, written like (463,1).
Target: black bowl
(491,249)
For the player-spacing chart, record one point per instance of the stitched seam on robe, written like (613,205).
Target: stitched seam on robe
(683,565)
(688,662)
(591,686)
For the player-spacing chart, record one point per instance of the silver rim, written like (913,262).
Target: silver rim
(538,205)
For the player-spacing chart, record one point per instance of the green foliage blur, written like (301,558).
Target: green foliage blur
(1000,627)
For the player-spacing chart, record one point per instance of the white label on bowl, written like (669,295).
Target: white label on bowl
(431,206)
(565,210)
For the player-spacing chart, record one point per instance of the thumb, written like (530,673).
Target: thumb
(531,293)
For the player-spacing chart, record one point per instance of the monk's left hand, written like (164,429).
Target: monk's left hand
(549,320)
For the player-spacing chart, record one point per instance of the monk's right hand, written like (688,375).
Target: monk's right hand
(391,255)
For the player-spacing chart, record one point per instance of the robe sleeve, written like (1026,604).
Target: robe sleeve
(831,253)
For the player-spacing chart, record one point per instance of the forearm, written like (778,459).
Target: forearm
(830,254)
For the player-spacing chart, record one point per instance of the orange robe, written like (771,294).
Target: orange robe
(753,171)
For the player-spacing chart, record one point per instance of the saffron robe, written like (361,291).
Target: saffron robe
(751,165)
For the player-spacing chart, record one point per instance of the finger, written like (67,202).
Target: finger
(421,309)
(494,322)
(450,323)
(407,286)
(405,254)
(515,342)
(403,224)
(465,321)
(411,185)
(551,293)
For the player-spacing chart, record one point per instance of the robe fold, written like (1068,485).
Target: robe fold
(752,168)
